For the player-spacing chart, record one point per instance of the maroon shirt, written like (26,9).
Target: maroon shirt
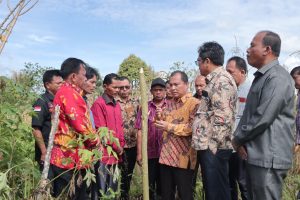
(154,134)
(107,113)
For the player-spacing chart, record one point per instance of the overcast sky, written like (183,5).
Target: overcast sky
(161,32)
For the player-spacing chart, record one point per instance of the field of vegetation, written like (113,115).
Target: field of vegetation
(19,174)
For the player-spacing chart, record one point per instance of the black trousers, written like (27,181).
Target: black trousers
(195,175)
(105,183)
(154,178)
(172,178)
(61,180)
(127,167)
(215,173)
(237,177)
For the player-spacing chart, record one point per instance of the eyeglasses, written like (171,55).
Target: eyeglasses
(127,87)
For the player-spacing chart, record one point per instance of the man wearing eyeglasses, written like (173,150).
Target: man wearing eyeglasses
(214,122)
(129,107)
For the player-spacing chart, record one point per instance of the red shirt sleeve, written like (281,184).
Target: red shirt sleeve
(99,114)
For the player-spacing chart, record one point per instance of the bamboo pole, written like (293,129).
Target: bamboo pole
(144,102)
(43,189)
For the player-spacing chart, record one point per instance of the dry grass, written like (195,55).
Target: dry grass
(290,188)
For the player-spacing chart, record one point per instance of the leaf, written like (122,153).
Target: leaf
(66,161)
(85,156)
(72,143)
(89,177)
(97,154)
(109,150)
(115,155)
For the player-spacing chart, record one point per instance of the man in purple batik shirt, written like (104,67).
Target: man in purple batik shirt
(158,90)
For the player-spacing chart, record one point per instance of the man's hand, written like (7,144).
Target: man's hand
(158,113)
(139,159)
(234,145)
(43,156)
(163,125)
(242,152)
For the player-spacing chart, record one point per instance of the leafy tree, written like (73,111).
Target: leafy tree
(130,67)
(31,77)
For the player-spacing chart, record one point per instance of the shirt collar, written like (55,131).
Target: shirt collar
(75,87)
(85,98)
(184,98)
(119,99)
(109,100)
(266,67)
(212,74)
(153,104)
(49,95)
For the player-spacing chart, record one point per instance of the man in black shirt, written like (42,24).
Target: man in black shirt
(41,121)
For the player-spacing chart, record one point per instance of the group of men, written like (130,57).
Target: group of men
(233,136)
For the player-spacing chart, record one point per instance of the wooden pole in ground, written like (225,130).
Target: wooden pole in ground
(144,103)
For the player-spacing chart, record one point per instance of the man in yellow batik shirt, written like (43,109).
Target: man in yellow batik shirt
(177,158)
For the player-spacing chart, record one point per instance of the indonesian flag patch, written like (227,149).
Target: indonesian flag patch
(37,108)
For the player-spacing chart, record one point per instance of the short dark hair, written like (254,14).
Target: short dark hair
(273,40)
(122,78)
(109,77)
(69,66)
(183,75)
(295,71)
(240,63)
(91,72)
(212,50)
(49,74)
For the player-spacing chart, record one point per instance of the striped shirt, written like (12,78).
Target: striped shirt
(176,145)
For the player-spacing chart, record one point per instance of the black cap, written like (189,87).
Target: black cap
(158,81)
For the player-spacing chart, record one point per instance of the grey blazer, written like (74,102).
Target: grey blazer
(266,127)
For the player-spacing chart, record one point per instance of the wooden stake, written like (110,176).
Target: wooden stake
(144,102)
(43,188)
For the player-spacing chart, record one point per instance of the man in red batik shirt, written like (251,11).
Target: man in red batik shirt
(74,120)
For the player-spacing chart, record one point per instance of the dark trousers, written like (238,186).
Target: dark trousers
(154,178)
(237,177)
(195,175)
(264,183)
(129,159)
(63,178)
(214,168)
(106,183)
(172,177)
